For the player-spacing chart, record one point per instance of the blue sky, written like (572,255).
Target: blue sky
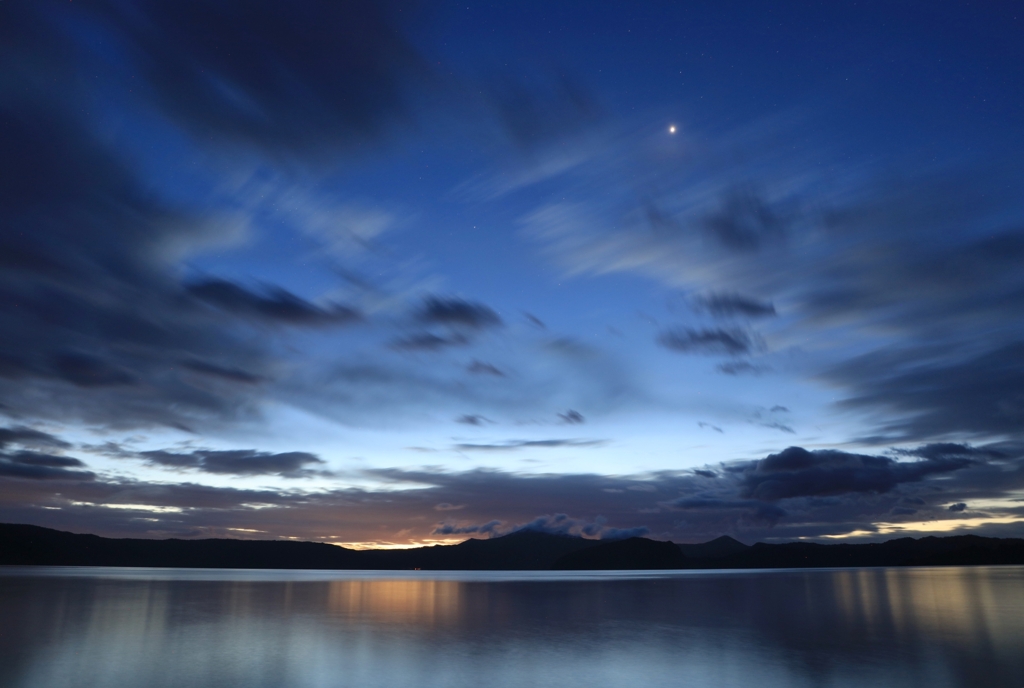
(386,274)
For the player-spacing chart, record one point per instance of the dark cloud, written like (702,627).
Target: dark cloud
(85,370)
(472,420)
(741,368)
(778,409)
(38,466)
(727,304)
(237,461)
(959,506)
(797,472)
(571,417)
(731,342)
(223,372)
(745,222)
(30,458)
(29,437)
(481,368)
(457,313)
(483,529)
(758,510)
(953,307)
(275,305)
(428,341)
(704,473)
(702,424)
(950,450)
(286,79)
(933,393)
(535,321)
(563,524)
(92,320)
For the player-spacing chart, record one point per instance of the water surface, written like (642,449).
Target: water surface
(106,628)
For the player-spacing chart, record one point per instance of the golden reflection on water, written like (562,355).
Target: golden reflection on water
(423,602)
(958,604)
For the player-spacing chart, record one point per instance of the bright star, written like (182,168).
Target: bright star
(672,129)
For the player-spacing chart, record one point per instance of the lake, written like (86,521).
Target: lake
(934,627)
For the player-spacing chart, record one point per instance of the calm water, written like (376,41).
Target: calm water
(868,627)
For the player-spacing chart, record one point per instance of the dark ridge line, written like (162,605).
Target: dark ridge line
(523,550)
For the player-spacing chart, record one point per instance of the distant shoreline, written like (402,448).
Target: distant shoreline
(523,550)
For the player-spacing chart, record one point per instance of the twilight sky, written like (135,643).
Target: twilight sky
(385,274)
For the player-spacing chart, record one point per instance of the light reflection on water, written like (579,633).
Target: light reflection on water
(846,627)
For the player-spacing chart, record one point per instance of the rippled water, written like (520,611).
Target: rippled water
(854,627)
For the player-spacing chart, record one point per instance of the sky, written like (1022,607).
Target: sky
(389,274)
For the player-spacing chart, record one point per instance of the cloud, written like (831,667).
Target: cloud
(958,507)
(457,313)
(732,342)
(535,321)
(84,370)
(472,420)
(793,493)
(29,437)
(745,221)
(481,368)
(762,512)
(949,450)
(571,417)
(902,511)
(92,319)
(797,472)
(741,368)
(222,372)
(930,394)
(511,445)
(236,461)
(451,529)
(428,341)
(728,304)
(276,305)
(260,76)
(563,524)
(38,466)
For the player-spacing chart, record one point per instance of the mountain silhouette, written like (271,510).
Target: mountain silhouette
(521,550)
(719,547)
(634,553)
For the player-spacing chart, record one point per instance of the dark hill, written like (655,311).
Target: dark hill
(958,550)
(24,544)
(522,550)
(719,547)
(634,553)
